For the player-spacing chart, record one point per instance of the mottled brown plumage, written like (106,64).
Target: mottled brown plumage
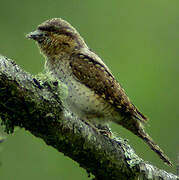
(93,92)
(104,84)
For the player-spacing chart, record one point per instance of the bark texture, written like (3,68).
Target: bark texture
(35,104)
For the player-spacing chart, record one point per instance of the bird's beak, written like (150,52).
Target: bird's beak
(35,35)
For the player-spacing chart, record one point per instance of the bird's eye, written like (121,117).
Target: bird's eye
(40,40)
(42,37)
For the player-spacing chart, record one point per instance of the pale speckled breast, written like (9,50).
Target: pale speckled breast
(81,100)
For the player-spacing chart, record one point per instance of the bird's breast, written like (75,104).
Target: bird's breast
(81,100)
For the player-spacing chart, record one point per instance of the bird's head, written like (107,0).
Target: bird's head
(56,36)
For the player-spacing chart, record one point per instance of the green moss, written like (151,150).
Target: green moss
(59,88)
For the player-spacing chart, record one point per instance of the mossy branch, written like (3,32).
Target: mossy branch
(35,104)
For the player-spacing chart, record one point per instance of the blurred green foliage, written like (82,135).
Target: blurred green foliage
(137,39)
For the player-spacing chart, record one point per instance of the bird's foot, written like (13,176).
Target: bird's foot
(102,129)
(105,130)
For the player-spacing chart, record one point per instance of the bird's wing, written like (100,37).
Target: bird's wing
(97,77)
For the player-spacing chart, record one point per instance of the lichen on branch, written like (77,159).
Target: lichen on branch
(35,104)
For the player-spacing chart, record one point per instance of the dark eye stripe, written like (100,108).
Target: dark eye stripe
(48,28)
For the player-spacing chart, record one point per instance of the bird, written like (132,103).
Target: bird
(94,94)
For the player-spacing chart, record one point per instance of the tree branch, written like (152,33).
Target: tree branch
(35,104)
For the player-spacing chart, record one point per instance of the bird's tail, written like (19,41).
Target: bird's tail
(136,127)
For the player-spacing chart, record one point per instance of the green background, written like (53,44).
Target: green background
(138,40)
